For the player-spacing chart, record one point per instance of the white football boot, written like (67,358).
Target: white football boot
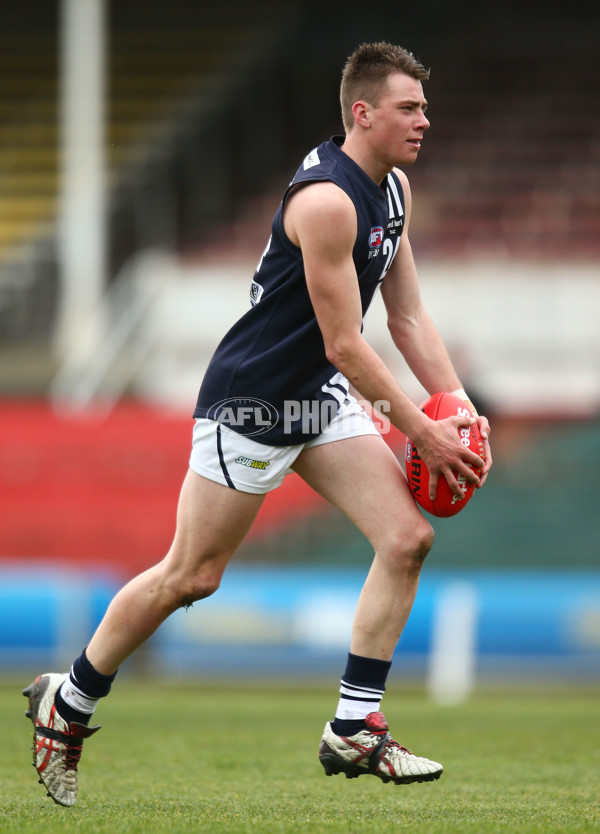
(374,751)
(56,744)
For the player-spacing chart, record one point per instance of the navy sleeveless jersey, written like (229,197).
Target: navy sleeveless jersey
(269,377)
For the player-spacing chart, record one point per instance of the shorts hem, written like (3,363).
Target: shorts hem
(324,438)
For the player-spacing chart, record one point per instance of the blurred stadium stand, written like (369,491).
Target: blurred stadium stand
(511,165)
(28,173)
(208,114)
(210,108)
(173,71)
(28,90)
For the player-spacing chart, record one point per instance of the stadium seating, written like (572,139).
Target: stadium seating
(28,66)
(509,168)
(205,123)
(157,53)
(525,188)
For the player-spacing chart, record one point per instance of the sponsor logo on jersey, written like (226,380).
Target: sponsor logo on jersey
(375,237)
(253,464)
(393,226)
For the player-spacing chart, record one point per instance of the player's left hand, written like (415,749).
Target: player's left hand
(484,430)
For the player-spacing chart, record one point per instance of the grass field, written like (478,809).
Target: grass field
(243,759)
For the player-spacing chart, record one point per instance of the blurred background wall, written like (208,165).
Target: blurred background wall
(144,147)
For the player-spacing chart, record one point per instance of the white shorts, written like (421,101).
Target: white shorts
(230,458)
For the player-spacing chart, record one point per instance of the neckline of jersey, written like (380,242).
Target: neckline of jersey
(378,193)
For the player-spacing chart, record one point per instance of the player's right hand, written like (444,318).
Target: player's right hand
(444,454)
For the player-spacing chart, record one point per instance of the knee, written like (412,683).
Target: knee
(410,548)
(422,542)
(195,589)
(183,588)
(425,535)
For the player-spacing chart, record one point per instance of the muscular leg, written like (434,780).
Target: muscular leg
(212,520)
(362,477)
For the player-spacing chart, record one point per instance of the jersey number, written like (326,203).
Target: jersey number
(389,250)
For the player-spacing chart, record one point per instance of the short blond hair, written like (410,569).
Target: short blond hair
(367,69)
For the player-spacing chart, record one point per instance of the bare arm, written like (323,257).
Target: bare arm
(413,331)
(411,327)
(321,219)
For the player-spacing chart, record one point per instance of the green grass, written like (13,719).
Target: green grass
(243,759)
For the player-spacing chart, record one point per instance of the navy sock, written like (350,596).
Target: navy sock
(361,690)
(77,697)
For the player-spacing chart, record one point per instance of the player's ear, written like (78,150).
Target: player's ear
(361,111)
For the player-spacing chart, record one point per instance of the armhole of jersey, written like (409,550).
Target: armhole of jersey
(402,198)
(295,250)
(398,182)
(296,186)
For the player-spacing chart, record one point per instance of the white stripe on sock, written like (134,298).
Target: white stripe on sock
(357,691)
(354,710)
(357,702)
(75,698)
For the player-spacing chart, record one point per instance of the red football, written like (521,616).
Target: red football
(446,504)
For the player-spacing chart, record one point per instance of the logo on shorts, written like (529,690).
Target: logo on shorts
(253,464)
(245,415)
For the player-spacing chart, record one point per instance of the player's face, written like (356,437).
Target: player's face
(399,122)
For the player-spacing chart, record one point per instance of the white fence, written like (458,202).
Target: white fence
(525,337)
